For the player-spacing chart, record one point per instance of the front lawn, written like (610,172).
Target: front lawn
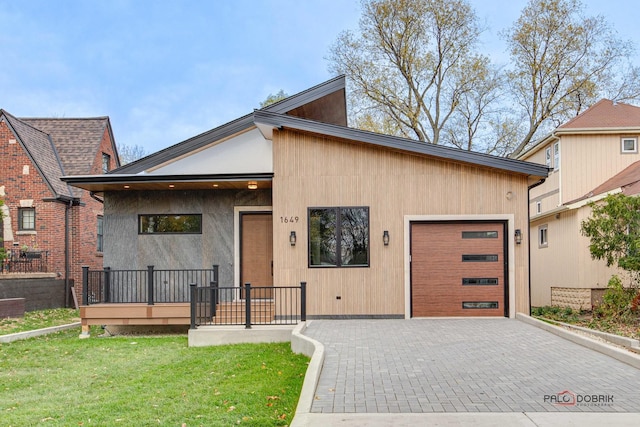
(142,381)
(39,319)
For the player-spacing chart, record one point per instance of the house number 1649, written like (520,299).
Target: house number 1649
(288,219)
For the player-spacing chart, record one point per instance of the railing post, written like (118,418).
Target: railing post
(107,284)
(150,284)
(214,291)
(247,305)
(85,285)
(194,298)
(303,301)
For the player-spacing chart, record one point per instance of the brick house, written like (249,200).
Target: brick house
(42,214)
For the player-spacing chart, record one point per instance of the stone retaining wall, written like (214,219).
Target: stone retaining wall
(576,298)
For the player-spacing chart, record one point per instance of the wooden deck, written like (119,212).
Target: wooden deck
(169,314)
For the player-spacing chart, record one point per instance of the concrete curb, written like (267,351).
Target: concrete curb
(36,333)
(314,349)
(615,339)
(624,356)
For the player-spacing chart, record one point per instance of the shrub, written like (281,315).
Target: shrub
(618,302)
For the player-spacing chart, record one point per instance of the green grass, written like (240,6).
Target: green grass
(39,319)
(142,381)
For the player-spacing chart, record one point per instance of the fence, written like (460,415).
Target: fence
(142,286)
(248,305)
(26,262)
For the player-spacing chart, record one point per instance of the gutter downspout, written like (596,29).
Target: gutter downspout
(532,186)
(67,266)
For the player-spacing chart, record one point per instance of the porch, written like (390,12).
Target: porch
(184,297)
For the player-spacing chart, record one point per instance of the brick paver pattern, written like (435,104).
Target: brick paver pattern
(462,365)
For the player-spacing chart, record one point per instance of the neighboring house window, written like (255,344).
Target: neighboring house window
(547,157)
(542,236)
(538,207)
(629,145)
(339,237)
(26,219)
(100,234)
(106,162)
(170,224)
(556,156)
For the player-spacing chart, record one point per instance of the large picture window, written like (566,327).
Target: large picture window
(170,224)
(339,237)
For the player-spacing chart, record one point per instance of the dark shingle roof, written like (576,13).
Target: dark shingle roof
(43,153)
(76,140)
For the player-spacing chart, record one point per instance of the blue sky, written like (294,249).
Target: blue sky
(164,71)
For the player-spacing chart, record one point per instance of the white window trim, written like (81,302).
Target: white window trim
(545,243)
(556,156)
(635,145)
(538,207)
(547,157)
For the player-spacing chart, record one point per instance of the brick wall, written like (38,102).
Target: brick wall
(49,235)
(20,180)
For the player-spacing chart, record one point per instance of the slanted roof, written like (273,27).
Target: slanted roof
(325,102)
(40,149)
(149,173)
(605,114)
(266,121)
(77,140)
(604,117)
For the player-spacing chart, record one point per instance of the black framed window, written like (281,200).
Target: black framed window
(339,237)
(170,224)
(26,218)
(106,163)
(99,234)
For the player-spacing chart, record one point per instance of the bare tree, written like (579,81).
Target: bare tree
(561,63)
(411,66)
(130,153)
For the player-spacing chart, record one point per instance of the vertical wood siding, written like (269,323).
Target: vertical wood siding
(311,171)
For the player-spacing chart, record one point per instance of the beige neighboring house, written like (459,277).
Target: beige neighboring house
(590,156)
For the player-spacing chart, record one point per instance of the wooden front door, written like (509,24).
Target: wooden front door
(256,252)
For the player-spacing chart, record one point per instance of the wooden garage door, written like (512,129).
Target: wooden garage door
(458,269)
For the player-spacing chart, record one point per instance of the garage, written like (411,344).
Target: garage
(458,269)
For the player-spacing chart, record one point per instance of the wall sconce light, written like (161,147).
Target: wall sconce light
(292,238)
(518,236)
(385,237)
(252,185)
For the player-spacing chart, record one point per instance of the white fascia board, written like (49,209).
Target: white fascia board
(591,199)
(248,152)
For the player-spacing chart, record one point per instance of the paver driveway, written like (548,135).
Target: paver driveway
(463,365)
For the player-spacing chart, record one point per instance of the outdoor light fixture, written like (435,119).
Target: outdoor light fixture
(292,238)
(385,237)
(518,236)
(252,185)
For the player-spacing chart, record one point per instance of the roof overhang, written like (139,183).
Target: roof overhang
(266,122)
(146,182)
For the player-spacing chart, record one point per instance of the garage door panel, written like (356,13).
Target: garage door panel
(438,269)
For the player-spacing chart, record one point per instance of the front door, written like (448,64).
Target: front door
(256,252)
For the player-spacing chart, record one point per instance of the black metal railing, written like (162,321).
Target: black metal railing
(142,286)
(248,305)
(26,262)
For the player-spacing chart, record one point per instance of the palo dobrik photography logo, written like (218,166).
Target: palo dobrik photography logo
(564,398)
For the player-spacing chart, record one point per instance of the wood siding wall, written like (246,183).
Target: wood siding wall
(589,160)
(566,261)
(311,171)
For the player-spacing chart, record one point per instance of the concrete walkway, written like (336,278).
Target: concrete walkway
(464,372)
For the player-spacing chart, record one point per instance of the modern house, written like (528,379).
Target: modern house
(587,156)
(48,226)
(377,226)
